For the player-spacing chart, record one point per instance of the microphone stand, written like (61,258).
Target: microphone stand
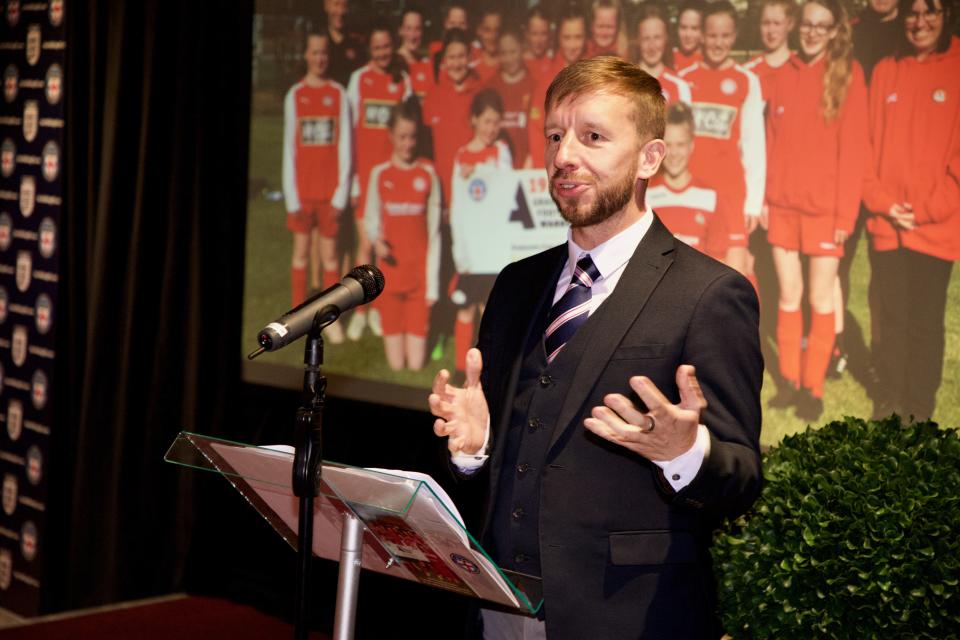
(306,460)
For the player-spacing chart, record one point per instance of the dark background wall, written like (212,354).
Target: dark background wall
(156,158)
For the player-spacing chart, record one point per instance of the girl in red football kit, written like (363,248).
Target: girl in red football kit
(485,150)
(373,90)
(402,220)
(654,55)
(817,145)
(913,191)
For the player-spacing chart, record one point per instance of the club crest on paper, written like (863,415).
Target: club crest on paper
(18,345)
(24,270)
(13,12)
(6,231)
(9,493)
(14,419)
(56,12)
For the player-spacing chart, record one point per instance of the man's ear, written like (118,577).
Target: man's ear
(651,155)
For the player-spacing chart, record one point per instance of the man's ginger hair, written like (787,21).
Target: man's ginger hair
(614,75)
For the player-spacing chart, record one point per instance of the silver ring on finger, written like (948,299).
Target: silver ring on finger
(651,423)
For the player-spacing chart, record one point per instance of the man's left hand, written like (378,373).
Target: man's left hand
(665,431)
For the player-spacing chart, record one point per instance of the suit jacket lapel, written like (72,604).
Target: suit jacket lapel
(643,272)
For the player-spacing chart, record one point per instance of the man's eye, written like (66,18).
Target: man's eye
(554,137)
(594,136)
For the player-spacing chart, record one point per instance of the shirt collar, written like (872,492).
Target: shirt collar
(612,254)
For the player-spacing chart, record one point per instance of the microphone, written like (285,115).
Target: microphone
(360,286)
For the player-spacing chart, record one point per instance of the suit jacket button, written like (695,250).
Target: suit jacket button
(545,380)
(517,513)
(522,468)
(533,424)
(520,558)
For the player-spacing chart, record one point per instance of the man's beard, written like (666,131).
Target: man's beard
(609,201)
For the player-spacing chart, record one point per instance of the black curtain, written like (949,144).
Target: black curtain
(151,284)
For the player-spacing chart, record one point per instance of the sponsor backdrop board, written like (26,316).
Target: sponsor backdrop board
(32,53)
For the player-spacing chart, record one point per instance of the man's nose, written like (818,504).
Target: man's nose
(566,156)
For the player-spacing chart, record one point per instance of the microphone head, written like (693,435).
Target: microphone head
(370,278)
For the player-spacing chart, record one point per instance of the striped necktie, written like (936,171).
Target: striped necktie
(572,309)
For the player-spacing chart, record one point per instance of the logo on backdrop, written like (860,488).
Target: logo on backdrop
(9,493)
(44,313)
(478,189)
(34,464)
(10,81)
(6,568)
(18,345)
(3,304)
(14,419)
(38,389)
(28,540)
(56,12)
(28,195)
(51,161)
(13,12)
(31,120)
(6,231)
(24,270)
(48,237)
(33,44)
(8,157)
(54,83)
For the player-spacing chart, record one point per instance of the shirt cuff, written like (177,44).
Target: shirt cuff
(470,463)
(681,471)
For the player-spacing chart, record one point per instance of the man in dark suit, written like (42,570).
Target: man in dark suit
(619,431)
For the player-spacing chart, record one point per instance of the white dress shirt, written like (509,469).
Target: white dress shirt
(611,259)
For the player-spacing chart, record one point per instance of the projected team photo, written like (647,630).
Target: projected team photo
(812,147)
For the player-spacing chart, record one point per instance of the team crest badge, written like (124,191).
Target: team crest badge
(478,189)
(13,12)
(6,231)
(465,564)
(31,120)
(28,195)
(34,465)
(700,218)
(10,83)
(420,185)
(14,419)
(6,569)
(56,12)
(939,95)
(48,237)
(728,86)
(327,101)
(28,540)
(4,302)
(43,313)
(8,158)
(18,345)
(38,389)
(54,84)
(33,44)
(9,493)
(393,88)
(51,161)
(24,270)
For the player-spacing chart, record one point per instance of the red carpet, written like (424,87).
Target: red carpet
(188,618)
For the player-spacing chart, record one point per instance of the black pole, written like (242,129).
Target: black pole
(306,465)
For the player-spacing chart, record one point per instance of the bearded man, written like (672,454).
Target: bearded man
(613,401)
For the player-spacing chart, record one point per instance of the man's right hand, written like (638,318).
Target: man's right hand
(462,414)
